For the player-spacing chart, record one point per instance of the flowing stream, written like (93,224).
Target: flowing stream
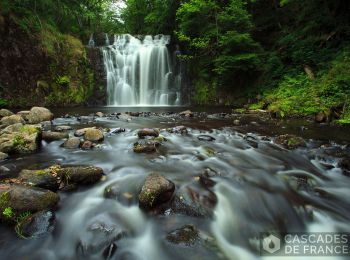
(141,72)
(248,185)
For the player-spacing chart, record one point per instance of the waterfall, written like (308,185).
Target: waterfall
(140,72)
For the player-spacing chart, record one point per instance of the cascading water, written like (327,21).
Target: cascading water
(139,72)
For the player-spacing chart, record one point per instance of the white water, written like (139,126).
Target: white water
(139,73)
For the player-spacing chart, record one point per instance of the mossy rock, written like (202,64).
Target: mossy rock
(156,190)
(21,199)
(39,178)
(290,141)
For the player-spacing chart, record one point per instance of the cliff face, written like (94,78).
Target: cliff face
(44,67)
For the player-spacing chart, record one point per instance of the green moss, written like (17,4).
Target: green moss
(19,141)
(8,212)
(28,129)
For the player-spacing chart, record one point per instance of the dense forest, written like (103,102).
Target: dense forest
(289,56)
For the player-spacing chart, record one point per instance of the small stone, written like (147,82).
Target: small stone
(145,147)
(320,117)
(54,136)
(87,145)
(72,143)
(99,114)
(187,235)
(206,138)
(62,128)
(290,141)
(236,122)
(148,132)
(186,113)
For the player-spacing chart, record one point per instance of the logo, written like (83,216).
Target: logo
(271,244)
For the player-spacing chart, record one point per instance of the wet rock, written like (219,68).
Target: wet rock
(39,114)
(5,172)
(63,128)
(135,114)
(148,132)
(3,156)
(10,120)
(71,143)
(39,178)
(109,251)
(117,130)
(23,199)
(186,113)
(345,165)
(236,122)
(20,139)
(87,145)
(54,136)
(148,146)
(86,119)
(206,138)
(36,225)
(100,233)
(194,200)
(178,130)
(124,117)
(93,135)
(187,235)
(100,114)
(80,132)
(290,141)
(80,174)
(155,191)
(320,117)
(124,192)
(5,112)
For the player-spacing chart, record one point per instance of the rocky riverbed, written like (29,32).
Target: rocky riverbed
(165,185)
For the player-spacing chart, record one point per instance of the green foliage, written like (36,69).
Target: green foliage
(19,220)
(204,92)
(3,102)
(63,80)
(8,212)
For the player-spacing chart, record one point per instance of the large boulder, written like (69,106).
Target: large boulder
(54,136)
(80,174)
(155,191)
(19,199)
(93,135)
(39,178)
(20,139)
(10,120)
(5,112)
(39,114)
